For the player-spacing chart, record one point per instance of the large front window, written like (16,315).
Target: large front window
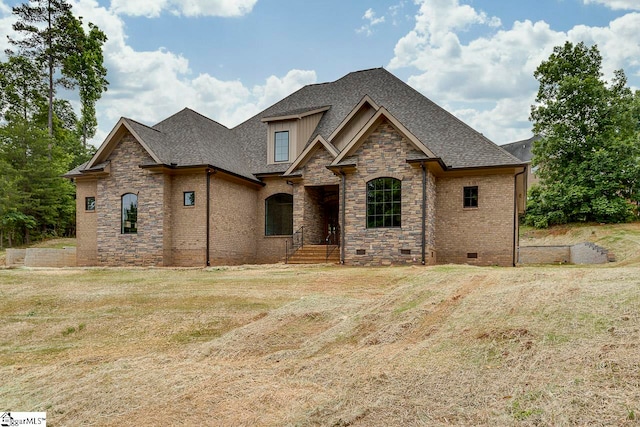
(279,215)
(281,147)
(384,203)
(129,222)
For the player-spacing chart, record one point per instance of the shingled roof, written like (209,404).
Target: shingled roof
(522,149)
(188,138)
(457,144)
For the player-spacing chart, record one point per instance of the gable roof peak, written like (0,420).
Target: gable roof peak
(187,112)
(137,123)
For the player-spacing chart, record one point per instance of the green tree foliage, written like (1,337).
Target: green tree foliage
(588,154)
(41,136)
(36,190)
(42,24)
(22,88)
(85,66)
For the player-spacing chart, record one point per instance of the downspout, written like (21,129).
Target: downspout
(424,212)
(516,239)
(208,232)
(342,215)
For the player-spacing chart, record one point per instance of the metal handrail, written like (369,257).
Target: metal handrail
(331,248)
(297,241)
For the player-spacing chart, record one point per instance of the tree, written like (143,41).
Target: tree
(33,183)
(588,154)
(41,136)
(42,23)
(85,66)
(22,92)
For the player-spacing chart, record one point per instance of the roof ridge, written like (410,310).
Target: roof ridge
(203,116)
(363,71)
(522,141)
(141,124)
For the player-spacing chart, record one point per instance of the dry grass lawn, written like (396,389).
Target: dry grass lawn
(326,346)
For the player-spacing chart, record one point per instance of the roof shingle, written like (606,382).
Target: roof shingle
(188,138)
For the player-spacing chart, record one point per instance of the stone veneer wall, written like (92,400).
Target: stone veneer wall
(87,222)
(316,175)
(145,247)
(314,216)
(431,250)
(486,230)
(384,154)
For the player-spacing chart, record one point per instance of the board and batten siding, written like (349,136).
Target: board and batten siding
(350,130)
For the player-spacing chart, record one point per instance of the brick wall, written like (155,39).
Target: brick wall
(272,248)
(486,230)
(233,222)
(188,223)
(86,222)
(145,247)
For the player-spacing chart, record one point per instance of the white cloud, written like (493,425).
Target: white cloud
(370,16)
(616,4)
(619,43)
(6,22)
(151,85)
(230,102)
(152,9)
(486,80)
(275,88)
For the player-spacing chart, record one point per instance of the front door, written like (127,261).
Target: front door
(331,228)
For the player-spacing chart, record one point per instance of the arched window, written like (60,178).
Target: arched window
(129,217)
(384,202)
(278,215)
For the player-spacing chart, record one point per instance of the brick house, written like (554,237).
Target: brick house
(365,165)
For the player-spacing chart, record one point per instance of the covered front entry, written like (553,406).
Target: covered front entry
(321,215)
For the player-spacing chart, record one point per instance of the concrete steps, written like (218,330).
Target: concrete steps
(315,254)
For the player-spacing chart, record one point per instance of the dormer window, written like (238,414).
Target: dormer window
(281,147)
(289,132)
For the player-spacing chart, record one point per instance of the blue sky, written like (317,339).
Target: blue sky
(229,59)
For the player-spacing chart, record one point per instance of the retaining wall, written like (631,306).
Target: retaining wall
(581,253)
(15,257)
(544,254)
(41,257)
